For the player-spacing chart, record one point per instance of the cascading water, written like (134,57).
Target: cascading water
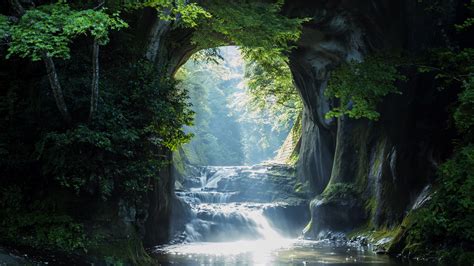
(219,216)
(240,215)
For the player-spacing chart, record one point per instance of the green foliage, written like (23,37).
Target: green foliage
(271,88)
(469,22)
(49,29)
(264,45)
(141,116)
(463,115)
(184,13)
(217,135)
(245,24)
(450,66)
(359,86)
(447,220)
(191,13)
(38,227)
(4,26)
(449,216)
(97,23)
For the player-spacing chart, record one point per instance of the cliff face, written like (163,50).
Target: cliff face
(384,164)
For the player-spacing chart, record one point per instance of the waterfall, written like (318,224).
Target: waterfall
(239,214)
(218,217)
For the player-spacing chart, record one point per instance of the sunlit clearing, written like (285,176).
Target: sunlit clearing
(231,125)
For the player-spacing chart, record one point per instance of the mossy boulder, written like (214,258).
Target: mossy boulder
(337,209)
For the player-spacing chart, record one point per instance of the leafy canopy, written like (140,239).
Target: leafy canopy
(359,86)
(271,89)
(49,29)
(246,24)
(183,12)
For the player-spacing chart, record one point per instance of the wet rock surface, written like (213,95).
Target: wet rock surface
(8,258)
(335,214)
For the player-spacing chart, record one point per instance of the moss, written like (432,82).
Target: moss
(363,230)
(385,232)
(309,227)
(378,155)
(338,190)
(374,235)
(301,187)
(179,163)
(371,205)
(293,160)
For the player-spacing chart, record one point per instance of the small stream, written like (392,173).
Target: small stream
(227,229)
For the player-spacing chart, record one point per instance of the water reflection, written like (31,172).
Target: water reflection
(270,252)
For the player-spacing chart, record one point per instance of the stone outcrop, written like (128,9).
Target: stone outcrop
(389,161)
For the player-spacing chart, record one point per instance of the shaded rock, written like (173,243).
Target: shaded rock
(380,251)
(289,220)
(335,214)
(7,258)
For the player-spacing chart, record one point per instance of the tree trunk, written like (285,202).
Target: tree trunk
(95,80)
(50,69)
(56,88)
(17,8)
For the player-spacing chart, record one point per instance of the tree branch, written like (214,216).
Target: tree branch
(50,69)
(56,88)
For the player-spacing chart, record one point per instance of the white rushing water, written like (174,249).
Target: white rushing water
(226,229)
(222,227)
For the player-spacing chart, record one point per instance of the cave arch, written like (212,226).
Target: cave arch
(377,158)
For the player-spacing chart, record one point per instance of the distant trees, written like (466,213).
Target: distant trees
(230,127)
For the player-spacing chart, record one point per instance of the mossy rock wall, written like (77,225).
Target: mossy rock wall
(389,161)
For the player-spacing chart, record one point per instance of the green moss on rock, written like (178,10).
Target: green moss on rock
(339,190)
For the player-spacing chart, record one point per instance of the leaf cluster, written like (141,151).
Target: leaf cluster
(245,24)
(39,227)
(49,30)
(449,216)
(122,150)
(183,13)
(360,86)
(272,90)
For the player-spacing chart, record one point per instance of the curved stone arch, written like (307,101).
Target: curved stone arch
(344,150)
